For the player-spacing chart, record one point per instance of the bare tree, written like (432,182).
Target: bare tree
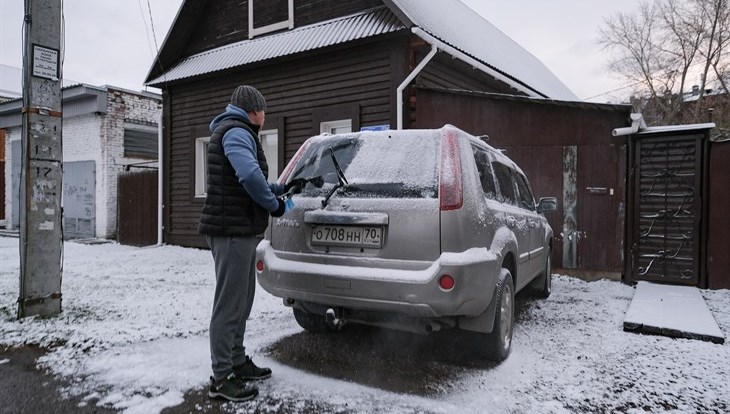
(666,45)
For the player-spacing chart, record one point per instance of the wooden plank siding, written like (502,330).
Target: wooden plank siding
(446,72)
(296,89)
(223,22)
(718,245)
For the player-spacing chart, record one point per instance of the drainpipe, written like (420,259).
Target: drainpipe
(409,79)
(637,123)
(159,180)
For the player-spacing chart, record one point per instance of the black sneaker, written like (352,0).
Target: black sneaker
(232,389)
(249,371)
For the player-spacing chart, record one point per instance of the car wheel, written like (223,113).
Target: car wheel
(312,322)
(543,285)
(498,343)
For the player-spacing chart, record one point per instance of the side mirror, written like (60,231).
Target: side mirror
(547,204)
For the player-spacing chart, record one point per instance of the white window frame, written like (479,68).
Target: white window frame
(328,126)
(201,166)
(271,159)
(255,31)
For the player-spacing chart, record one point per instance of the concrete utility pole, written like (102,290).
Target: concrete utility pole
(41,238)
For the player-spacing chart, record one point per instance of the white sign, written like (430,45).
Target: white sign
(45,62)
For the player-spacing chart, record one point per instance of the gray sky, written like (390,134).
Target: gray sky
(110,42)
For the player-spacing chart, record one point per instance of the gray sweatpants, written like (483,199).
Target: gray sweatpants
(234,293)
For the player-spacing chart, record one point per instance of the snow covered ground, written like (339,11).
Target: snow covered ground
(133,335)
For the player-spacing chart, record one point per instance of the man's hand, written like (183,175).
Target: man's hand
(295,186)
(284,207)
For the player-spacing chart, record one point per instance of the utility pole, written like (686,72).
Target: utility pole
(41,239)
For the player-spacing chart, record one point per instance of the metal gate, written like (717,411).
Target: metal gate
(667,208)
(79,199)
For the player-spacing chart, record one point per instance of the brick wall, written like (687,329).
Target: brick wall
(99,138)
(122,107)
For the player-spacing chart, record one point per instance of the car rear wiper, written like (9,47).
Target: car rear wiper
(341,180)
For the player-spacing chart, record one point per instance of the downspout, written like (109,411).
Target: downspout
(409,79)
(637,123)
(159,180)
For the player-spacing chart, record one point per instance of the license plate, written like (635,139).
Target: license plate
(348,236)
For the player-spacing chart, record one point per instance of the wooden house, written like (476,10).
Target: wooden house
(338,66)
(323,66)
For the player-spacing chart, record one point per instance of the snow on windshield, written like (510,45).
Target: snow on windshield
(406,159)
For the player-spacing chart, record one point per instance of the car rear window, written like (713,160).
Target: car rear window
(386,164)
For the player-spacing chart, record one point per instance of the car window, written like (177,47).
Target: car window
(506,184)
(403,165)
(486,176)
(525,196)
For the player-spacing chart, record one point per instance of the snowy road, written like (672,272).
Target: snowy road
(133,336)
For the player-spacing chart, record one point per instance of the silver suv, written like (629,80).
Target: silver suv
(418,230)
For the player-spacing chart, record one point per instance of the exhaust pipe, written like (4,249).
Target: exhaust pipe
(334,318)
(433,327)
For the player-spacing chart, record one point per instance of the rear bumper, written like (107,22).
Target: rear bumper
(396,286)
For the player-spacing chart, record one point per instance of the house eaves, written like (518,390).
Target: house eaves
(471,38)
(76,100)
(362,25)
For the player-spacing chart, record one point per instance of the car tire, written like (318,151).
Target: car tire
(543,285)
(312,322)
(498,343)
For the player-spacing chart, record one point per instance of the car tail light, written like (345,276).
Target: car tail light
(260,265)
(450,190)
(446,283)
(289,167)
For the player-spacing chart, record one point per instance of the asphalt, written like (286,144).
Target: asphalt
(389,360)
(24,388)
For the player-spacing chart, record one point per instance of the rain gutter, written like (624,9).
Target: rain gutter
(475,63)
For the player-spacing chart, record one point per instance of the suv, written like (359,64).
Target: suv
(418,230)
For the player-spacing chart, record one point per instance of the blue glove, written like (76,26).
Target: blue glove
(288,205)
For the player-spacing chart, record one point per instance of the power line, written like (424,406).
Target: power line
(152,24)
(146,29)
(614,90)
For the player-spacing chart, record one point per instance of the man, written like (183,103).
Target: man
(237,207)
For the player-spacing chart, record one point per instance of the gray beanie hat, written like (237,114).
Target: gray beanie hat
(248,98)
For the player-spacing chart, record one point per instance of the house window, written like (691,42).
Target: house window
(270,143)
(140,141)
(342,126)
(201,166)
(265,16)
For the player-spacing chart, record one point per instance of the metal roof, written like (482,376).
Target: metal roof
(457,25)
(328,33)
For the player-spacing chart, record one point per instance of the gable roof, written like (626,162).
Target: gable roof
(460,27)
(451,25)
(315,36)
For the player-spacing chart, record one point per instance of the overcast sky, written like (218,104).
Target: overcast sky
(110,42)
